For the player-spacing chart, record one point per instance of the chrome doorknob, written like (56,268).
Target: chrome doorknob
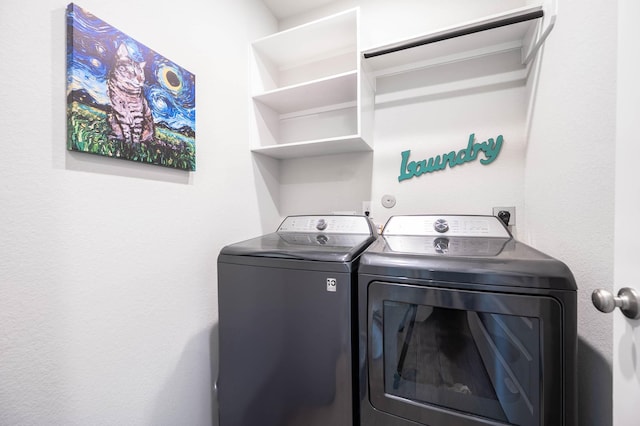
(628,300)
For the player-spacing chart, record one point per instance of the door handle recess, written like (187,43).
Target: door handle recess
(628,300)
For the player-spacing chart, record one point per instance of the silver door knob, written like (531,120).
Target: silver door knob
(628,300)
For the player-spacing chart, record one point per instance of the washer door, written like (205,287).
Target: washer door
(439,356)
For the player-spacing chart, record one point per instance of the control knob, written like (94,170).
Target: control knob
(441,226)
(321,225)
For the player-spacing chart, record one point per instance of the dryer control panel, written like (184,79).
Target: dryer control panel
(446,225)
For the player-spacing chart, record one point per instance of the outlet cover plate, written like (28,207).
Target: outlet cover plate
(511,210)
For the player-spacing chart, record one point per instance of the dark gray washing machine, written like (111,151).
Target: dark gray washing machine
(287,323)
(460,324)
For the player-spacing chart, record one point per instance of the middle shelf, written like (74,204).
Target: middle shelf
(322,94)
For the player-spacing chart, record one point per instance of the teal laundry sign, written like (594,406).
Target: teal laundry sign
(488,150)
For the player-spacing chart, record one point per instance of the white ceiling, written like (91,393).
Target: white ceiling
(282,9)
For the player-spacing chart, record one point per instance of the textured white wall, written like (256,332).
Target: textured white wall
(569,186)
(626,366)
(438,125)
(108,268)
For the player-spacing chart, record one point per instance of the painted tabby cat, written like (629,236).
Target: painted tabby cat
(130,118)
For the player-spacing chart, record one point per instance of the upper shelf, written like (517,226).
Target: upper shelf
(516,29)
(314,50)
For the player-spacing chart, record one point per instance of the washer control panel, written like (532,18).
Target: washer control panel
(446,225)
(330,224)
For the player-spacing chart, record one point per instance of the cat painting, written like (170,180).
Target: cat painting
(130,118)
(125,100)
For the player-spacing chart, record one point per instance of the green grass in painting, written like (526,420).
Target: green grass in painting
(88,132)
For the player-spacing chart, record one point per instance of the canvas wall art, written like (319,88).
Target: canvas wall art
(124,100)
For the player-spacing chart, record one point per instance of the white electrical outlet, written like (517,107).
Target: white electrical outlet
(511,210)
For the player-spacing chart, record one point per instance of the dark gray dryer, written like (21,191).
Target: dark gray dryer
(463,325)
(287,323)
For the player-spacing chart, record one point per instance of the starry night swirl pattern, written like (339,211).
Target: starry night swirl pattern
(169,89)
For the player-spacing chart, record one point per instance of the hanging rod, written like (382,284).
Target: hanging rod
(459,32)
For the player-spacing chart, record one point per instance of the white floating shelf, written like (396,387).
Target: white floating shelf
(306,43)
(335,90)
(516,29)
(318,147)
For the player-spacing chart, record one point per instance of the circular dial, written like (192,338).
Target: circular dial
(441,226)
(441,245)
(321,225)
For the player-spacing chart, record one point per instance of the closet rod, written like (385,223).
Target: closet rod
(456,33)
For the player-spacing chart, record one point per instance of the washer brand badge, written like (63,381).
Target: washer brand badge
(331,284)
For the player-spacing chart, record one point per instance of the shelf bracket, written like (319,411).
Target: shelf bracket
(526,58)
